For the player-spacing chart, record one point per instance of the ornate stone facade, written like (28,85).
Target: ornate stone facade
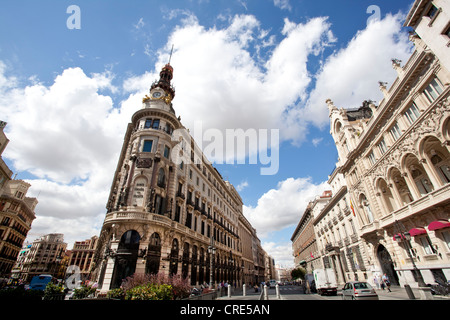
(168,204)
(395,162)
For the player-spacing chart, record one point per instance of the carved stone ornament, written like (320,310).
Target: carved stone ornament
(143,163)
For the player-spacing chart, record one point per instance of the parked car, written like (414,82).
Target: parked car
(357,290)
(40,282)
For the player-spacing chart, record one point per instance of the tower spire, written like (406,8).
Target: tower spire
(170,57)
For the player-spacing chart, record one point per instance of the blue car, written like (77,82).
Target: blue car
(40,282)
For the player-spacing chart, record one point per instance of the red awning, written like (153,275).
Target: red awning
(438,224)
(417,231)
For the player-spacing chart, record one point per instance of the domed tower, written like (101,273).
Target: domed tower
(166,210)
(141,201)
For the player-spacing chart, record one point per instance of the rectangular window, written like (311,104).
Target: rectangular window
(166,152)
(155,124)
(395,132)
(431,13)
(426,244)
(188,220)
(412,113)
(147,146)
(433,90)
(447,31)
(382,146)
(446,236)
(372,158)
(148,123)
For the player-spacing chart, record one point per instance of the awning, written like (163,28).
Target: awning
(438,224)
(417,231)
(398,236)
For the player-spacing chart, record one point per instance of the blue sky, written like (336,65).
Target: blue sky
(67,94)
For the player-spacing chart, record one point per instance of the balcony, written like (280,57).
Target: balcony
(180,195)
(331,247)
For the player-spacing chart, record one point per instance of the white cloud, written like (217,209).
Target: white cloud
(241,186)
(351,75)
(282,207)
(281,252)
(282,4)
(69,136)
(216,75)
(316,141)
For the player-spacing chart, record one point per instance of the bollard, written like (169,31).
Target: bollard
(266,295)
(409,292)
(277,290)
(229,291)
(244,291)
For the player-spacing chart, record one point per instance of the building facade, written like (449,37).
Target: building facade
(169,207)
(16,213)
(304,240)
(47,255)
(396,164)
(82,255)
(390,209)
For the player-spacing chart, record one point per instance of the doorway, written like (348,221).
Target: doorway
(387,265)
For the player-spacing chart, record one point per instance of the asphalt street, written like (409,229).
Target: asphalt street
(293,292)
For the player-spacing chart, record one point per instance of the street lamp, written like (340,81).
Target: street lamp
(212,252)
(403,236)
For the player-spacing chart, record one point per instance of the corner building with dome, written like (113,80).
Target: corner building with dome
(168,205)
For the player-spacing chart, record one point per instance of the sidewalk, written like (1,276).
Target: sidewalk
(250,295)
(397,293)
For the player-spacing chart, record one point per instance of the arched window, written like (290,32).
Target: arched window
(421,179)
(161,178)
(386,196)
(153,254)
(418,175)
(400,184)
(442,168)
(173,268)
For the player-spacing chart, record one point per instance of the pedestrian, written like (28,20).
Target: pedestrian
(376,282)
(387,282)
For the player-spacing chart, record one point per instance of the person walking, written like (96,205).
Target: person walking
(387,282)
(375,281)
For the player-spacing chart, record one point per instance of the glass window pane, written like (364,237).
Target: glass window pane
(147,146)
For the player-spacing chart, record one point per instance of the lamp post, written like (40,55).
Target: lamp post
(212,252)
(403,236)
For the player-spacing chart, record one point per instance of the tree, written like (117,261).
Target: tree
(298,273)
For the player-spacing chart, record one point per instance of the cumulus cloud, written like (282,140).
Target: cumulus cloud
(282,207)
(351,75)
(281,252)
(68,136)
(241,186)
(221,73)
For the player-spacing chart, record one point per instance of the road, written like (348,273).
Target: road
(296,293)
(292,292)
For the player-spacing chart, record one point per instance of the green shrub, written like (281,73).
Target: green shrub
(150,292)
(180,287)
(53,291)
(83,292)
(118,293)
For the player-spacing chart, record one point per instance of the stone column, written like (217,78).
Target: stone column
(110,262)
